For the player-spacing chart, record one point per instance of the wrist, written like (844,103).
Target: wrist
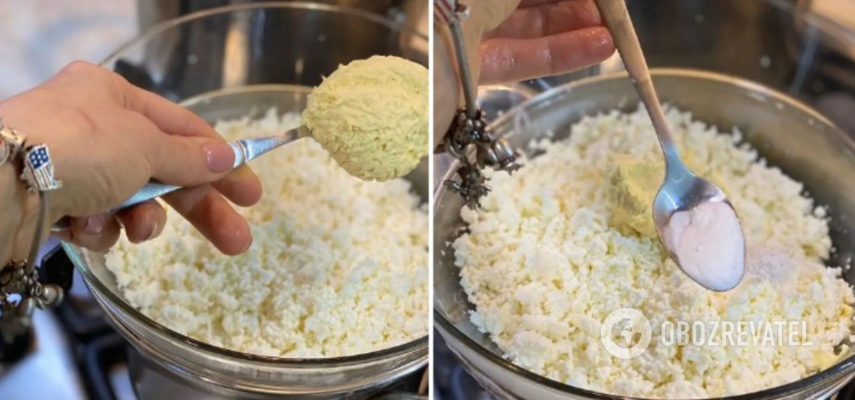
(18,219)
(20,213)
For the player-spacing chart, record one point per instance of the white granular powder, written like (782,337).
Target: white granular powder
(543,268)
(770,265)
(337,267)
(707,241)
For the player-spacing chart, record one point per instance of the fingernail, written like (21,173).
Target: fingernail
(94,224)
(221,157)
(153,233)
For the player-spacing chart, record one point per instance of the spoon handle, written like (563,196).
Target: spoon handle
(245,150)
(617,19)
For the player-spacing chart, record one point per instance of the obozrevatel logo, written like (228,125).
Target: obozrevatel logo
(626,333)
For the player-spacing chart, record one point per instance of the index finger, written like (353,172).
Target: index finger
(168,116)
(511,60)
(546,18)
(242,186)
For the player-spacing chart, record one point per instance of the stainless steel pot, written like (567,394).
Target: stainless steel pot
(263,47)
(151,12)
(413,14)
(228,63)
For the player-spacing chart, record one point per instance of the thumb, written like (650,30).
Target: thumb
(189,160)
(96,232)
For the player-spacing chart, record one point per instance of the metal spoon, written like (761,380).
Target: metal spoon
(245,150)
(682,190)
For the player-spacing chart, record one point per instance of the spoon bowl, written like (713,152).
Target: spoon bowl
(683,191)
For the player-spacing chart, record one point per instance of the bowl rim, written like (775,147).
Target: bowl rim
(163,26)
(837,371)
(78,255)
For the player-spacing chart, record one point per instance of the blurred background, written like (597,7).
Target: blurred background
(38,37)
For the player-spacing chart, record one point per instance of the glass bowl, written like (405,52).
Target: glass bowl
(775,102)
(229,63)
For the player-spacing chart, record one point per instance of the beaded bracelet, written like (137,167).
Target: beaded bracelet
(20,277)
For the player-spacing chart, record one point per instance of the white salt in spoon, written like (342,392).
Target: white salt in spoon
(694,220)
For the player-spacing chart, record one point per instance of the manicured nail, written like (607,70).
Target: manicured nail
(221,157)
(95,224)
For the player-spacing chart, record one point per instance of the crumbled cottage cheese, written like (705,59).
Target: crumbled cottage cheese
(338,266)
(544,267)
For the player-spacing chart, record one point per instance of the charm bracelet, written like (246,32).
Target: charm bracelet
(468,139)
(19,278)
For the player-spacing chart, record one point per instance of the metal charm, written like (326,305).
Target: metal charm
(38,170)
(468,139)
(11,143)
(22,278)
(15,316)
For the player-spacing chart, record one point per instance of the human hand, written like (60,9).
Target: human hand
(107,138)
(542,38)
(514,40)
